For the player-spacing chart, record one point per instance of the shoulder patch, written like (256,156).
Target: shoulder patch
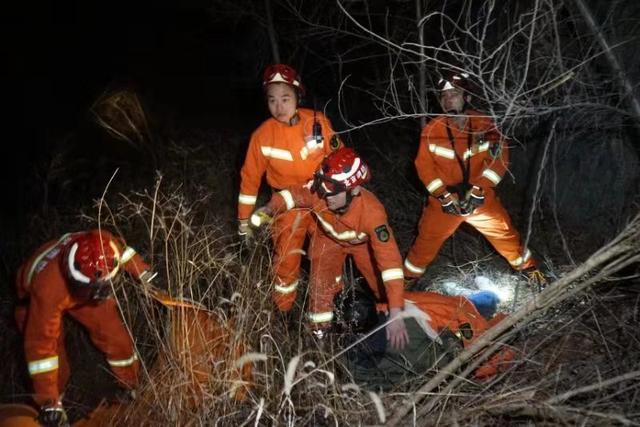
(382,232)
(335,143)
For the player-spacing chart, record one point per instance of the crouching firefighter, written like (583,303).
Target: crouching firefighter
(439,327)
(349,220)
(74,275)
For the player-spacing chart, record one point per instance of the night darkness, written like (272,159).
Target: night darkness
(196,66)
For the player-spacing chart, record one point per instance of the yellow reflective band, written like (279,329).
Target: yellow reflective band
(412,268)
(434,185)
(123,362)
(392,274)
(286,289)
(320,317)
(288,199)
(491,176)
(128,253)
(442,152)
(343,236)
(276,153)
(521,260)
(43,365)
(246,199)
(480,148)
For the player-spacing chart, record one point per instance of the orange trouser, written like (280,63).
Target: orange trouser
(289,232)
(327,258)
(107,333)
(490,219)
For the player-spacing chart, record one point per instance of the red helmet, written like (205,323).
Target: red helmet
(281,73)
(340,171)
(92,260)
(454,79)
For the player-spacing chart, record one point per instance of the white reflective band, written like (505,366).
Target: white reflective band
(491,176)
(128,253)
(277,78)
(412,268)
(447,86)
(442,152)
(346,175)
(286,289)
(245,199)
(392,274)
(288,199)
(480,148)
(276,153)
(434,185)
(521,260)
(123,362)
(43,365)
(320,317)
(338,279)
(343,236)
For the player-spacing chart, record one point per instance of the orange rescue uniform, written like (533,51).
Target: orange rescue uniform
(484,152)
(45,297)
(283,153)
(460,316)
(362,232)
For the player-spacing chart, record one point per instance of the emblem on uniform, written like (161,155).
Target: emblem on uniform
(382,232)
(495,149)
(466,331)
(335,143)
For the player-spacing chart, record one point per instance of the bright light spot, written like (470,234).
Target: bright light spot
(504,290)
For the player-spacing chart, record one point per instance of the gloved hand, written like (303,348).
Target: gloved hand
(535,278)
(473,200)
(261,216)
(450,203)
(244,231)
(124,396)
(52,414)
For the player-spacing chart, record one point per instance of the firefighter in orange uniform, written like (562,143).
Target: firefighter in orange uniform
(350,220)
(287,148)
(74,275)
(461,158)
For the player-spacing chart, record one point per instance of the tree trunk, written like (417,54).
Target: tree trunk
(612,58)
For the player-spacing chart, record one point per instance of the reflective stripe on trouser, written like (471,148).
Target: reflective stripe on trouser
(120,363)
(284,295)
(491,220)
(289,233)
(327,258)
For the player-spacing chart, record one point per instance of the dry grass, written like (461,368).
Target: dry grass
(575,361)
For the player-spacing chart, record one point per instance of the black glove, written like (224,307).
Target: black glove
(124,396)
(449,203)
(473,200)
(53,415)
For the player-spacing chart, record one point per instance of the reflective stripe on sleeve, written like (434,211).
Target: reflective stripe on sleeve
(434,185)
(128,253)
(491,176)
(286,289)
(320,317)
(521,260)
(43,365)
(246,199)
(392,274)
(276,153)
(123,362)
(288,199)
(412,268)
(442,152)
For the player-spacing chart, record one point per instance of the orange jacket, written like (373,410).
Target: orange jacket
(281,151)
(365,222)
(436,161)
(42,279)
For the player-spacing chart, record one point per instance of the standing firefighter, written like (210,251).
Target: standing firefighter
(288,147)
(74,275)
(462,157)
(350,221)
